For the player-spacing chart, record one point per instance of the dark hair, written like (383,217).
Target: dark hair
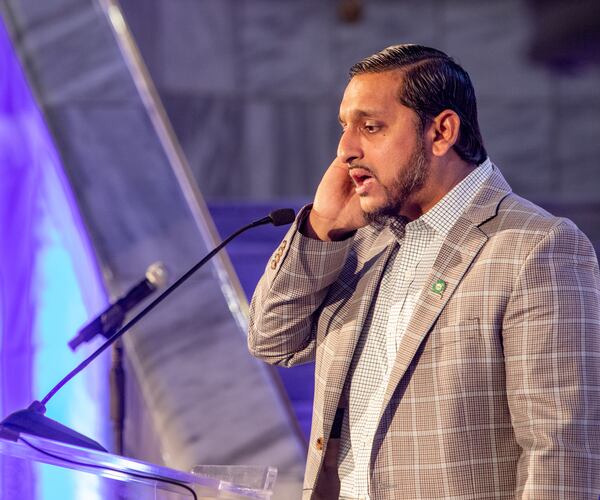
(431,83)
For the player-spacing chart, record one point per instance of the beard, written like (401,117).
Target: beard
(409,180)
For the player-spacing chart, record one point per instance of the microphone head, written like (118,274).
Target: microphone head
(157,274)
(282,216)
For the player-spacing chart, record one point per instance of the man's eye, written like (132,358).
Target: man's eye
(371,128)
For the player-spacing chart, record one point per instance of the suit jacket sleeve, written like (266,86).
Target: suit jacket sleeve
(551,335)
(284,307)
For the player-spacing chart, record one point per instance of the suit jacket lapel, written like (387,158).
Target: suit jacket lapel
(459,249)
(345,339)
(455,257)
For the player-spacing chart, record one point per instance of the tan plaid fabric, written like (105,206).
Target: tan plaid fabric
(495,392)
(394,301)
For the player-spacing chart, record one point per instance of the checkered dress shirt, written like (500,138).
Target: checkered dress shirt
(419,242)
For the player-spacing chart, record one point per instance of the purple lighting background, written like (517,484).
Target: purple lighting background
(49,281)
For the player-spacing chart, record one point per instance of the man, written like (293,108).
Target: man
(455,326)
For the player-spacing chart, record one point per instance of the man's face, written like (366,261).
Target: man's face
(380,144)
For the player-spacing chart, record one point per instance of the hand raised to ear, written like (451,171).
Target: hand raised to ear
(336,211)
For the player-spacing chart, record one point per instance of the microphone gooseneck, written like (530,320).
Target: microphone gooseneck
(277,218)
(33,421)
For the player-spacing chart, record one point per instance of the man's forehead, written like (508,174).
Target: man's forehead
(383,79)
(371,93)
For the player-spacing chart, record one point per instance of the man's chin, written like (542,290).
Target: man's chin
(370,205)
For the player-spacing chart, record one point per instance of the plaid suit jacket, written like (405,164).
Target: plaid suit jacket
(495,392)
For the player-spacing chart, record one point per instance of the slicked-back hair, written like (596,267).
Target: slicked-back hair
(431,83)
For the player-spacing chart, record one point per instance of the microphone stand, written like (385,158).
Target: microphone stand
(32,419)
(117,396)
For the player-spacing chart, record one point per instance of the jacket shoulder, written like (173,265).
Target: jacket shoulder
(520,218)
(518,213)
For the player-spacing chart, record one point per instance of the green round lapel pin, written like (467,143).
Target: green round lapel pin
(438,287)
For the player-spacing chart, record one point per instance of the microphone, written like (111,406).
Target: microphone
(279,217)
(33,421)
(112,317)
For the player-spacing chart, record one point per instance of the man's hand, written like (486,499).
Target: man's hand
(336,211)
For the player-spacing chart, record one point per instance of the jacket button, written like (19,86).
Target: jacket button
(273,264)
(319,444)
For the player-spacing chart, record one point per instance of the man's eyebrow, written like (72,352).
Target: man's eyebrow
(361,113)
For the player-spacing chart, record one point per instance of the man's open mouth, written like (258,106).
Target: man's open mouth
(362,178)
(360,175)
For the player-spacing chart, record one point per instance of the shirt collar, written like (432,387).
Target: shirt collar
(397,226)
(445,212)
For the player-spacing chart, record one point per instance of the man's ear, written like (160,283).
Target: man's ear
(444,130)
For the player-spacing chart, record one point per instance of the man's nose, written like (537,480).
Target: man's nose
(349,148)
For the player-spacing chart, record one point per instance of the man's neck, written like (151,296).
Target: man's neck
(444,175)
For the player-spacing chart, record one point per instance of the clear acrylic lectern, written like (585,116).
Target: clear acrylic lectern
(112,476)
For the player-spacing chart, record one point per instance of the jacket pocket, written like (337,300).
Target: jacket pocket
(451,334)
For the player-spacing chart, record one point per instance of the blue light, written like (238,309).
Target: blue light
(49,281)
